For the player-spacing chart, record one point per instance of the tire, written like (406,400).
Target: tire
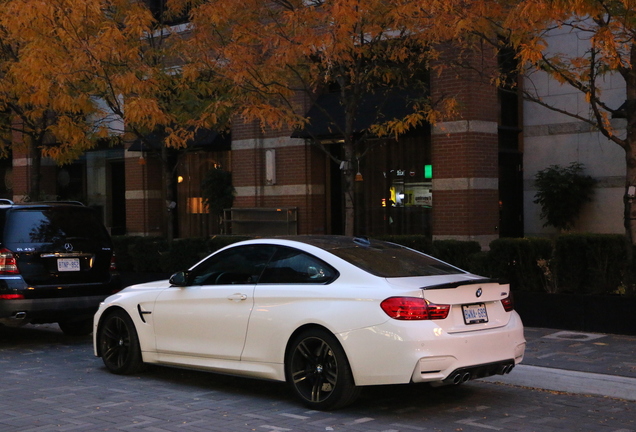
(318,371)
(81,327)
(119,344)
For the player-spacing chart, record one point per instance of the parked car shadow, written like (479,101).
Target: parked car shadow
(38,334)
(389,398)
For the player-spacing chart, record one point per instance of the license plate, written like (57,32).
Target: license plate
(68,264)
(475,313)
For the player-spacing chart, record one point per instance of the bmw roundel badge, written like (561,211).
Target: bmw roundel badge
(478,293)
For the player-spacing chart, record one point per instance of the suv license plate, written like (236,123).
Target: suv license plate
(475,313)
(68,264)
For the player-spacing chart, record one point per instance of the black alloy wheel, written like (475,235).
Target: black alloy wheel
(318,371)
(119,344)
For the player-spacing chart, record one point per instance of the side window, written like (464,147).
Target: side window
(239,265)
(293,266)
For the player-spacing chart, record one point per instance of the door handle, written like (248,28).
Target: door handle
(237,297)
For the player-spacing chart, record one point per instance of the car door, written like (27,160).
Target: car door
(292,288)
(209,316)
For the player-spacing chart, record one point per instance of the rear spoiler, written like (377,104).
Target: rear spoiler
(451,285)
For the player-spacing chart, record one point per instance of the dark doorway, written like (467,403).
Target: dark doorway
(510,194)
(118,197)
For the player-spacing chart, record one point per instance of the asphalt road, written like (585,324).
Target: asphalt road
(50,382)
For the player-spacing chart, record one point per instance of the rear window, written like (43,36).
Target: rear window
(389,260)
(52,225)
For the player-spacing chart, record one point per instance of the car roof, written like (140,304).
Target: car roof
(330,242)
(8,204)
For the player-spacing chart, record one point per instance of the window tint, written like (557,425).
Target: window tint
(53,225)
(294,266)
(389,260)
(239,265)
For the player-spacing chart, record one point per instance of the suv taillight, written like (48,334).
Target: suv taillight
(8,264)
(113,263)
(413,308)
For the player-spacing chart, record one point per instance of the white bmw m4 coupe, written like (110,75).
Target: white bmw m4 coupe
(327,314)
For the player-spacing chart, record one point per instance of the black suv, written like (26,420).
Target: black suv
(56,265)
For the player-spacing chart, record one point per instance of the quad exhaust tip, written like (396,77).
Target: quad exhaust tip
(461,378)
(505,369)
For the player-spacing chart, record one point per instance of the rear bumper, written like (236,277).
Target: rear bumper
(49,310)
(45,304)
(422,352)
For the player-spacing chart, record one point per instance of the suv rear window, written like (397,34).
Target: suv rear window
(52,225)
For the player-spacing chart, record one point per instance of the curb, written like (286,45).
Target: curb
(569,381)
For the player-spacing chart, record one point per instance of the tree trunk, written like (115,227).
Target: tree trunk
(34,173)
(168,194)
(630,149)
(348,188)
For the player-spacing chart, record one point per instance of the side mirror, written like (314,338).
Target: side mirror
(179,279)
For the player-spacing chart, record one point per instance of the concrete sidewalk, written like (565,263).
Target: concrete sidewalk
(575,362)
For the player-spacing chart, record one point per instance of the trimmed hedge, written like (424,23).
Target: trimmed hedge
(516,260)
(155,255)
(591,263)
(418,242)
(456,252)
(573,263)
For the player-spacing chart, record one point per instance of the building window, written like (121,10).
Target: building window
(193,216)
(394,193)
(159,11)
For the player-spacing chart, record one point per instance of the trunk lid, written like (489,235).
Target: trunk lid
(475,302)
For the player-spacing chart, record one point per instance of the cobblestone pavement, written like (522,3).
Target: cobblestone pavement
(50,382)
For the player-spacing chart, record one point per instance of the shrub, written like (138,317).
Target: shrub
(516,259)
(184,253)
(122,245)
(146,254)
(156,255)
(420,243)
(591,263)
(456,252)
(562,191)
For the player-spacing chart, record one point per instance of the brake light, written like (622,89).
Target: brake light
(11,296)
(8,264)
(413,308)
(508,304)
(113,263)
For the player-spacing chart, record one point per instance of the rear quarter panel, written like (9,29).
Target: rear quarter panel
(351,302)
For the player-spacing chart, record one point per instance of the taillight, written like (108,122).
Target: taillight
(508,304)
(8,264)
(113,263)
(413,308)
(11,296)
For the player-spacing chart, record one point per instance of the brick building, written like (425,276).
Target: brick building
(443,181)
